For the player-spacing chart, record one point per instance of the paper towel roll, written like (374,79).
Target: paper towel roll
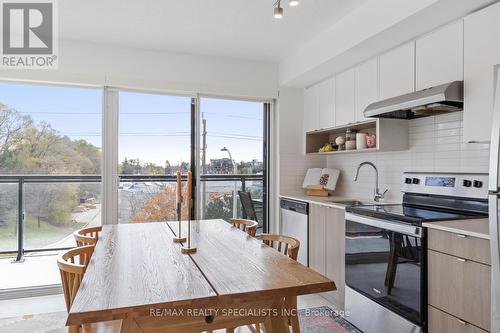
(361,141)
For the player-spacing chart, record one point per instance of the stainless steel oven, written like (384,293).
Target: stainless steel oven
(375,250)
(386,248)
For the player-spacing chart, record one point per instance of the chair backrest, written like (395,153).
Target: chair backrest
(247,204)
(287,245)
(87,236)
(249,226)
(72,265)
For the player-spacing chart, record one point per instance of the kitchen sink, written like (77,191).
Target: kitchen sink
(351,202)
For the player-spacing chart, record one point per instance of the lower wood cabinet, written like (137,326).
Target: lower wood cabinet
(459,245)
(317,239)
(335,252)
(458,288)
(327,247)
(442,322)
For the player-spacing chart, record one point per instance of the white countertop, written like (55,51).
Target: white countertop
(328,201)
(474,228)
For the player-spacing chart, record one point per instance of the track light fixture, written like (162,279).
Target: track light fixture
(278,10)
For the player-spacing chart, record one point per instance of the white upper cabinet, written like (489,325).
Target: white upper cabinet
(481,53)
(366,86)
(311,109)
(397,71)
(345,98)
(327,103)
(439,56)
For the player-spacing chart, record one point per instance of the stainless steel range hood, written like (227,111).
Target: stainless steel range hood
(444,98)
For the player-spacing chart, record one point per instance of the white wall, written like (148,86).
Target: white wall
(372,28)
(293,164)
(99,64)
(435,146)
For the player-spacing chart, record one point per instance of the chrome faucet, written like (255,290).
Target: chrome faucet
(377,195)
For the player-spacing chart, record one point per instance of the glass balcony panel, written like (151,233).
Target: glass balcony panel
(53,211)
(149,201)
(219,196)
(8,217)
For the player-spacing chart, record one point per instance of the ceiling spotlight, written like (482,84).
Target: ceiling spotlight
(278,11)
(294,3)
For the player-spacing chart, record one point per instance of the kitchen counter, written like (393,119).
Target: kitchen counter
(327,201)
(475,228)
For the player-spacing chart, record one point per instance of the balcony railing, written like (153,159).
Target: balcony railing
(39,213)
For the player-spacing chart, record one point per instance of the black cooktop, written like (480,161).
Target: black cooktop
(410,213)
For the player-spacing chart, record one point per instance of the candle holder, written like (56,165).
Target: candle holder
(179,238)
(188,248)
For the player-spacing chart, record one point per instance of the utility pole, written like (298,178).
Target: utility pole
(235,191)
(203,163)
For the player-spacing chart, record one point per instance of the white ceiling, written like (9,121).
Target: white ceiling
(242,29)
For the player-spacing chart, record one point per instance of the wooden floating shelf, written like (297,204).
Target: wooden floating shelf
(392,135)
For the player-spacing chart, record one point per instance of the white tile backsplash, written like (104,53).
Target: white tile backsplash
(436,145)
(293,168)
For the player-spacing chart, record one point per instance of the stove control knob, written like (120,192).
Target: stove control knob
(467,183)
(408,180)
(416,181)
(478,183)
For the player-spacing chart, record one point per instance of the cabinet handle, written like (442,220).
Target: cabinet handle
(461,236)
(461,259)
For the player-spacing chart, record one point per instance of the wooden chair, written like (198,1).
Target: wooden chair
(72,265)
(113,326)
(249,226)
(87,236)
(401,247)
(287,245)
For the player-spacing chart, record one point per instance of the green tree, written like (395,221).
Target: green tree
(30,148)
(221,208)
(130,167)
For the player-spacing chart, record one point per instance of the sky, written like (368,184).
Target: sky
(152,127)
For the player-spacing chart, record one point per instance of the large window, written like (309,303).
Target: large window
(51,156)
(154,143)
(50,161)
(233,159)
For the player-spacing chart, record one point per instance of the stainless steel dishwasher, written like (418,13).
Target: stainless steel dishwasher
(294,216)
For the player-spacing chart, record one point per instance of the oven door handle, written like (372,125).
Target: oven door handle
(387,225)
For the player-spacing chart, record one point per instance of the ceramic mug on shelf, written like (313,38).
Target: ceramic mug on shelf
(361,140)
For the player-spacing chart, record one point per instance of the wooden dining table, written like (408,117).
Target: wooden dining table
(139,275)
